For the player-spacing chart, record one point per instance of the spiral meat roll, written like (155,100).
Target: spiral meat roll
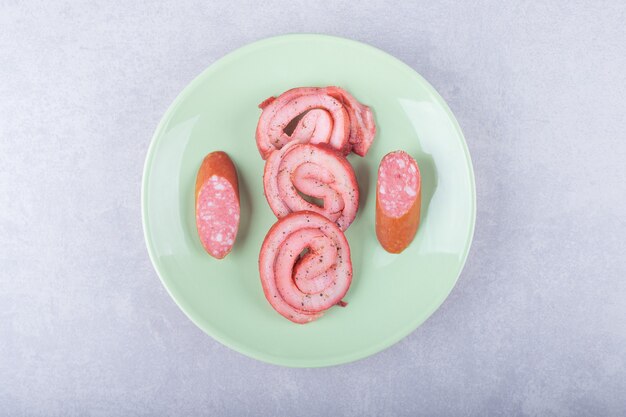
(318,171)
(315,115)
(305,266)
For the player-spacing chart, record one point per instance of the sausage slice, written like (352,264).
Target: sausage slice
(217,204)
(398,201)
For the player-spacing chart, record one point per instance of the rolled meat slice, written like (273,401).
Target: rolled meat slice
(316,171)
(398,201)
(315,115)
(305,266)
(362,126)
(217,204)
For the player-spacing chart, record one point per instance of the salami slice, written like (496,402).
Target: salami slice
(217,204)
(398,201)
(328,115)
(316,171)
(305,266)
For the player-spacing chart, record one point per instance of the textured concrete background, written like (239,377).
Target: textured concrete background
(537,323)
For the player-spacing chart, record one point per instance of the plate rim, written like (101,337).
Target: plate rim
(244,349)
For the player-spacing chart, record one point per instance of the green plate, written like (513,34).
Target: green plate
(390,294)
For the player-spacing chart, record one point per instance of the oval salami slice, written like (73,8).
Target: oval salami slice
(398,201)
(316,171)
(321,115)
(305,266)
(217,204)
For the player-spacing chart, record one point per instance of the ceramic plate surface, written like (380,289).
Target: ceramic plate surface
(390,294)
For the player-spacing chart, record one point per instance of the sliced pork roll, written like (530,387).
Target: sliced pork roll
(317,171)
(315,115)
(305,266)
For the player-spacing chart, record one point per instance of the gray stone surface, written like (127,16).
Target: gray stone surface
(537,323)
